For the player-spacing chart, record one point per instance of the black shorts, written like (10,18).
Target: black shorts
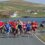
(13,29)
(1,28)
(16,31)
(20,27)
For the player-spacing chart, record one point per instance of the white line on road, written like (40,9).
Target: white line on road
(39,39)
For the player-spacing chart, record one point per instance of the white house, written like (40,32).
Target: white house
(13,15)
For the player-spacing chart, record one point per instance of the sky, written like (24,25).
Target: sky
(34,1)
(3,0)
(37,1)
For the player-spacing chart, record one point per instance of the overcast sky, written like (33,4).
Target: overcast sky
(37,1)
(3,0)
(34,1)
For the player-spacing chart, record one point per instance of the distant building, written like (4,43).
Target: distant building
(13,15)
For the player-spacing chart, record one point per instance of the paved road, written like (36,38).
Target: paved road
(20,41)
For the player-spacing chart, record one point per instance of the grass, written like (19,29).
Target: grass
(40,14)
(43,38)
(42,35)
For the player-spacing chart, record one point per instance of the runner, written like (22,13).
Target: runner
(34,26)
(41,25)
(1,26)
(7,28)
(24,27)
(14,27)
(20,26)
(28,27)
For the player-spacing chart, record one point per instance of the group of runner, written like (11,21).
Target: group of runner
(18,27)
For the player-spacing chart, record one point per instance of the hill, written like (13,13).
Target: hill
(21,2)
(22,8)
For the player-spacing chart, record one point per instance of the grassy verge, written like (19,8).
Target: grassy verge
(43,38)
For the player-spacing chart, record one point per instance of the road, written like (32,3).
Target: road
(20,41)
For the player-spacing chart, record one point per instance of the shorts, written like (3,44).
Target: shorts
(34,28)
(28,29)
(20,27)
(16,31)
(13,29)
(1,28)
(7,30)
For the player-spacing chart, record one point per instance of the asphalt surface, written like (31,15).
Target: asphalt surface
(24,40)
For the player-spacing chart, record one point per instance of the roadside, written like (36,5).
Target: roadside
(40,34)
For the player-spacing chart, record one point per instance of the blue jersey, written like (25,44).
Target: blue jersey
(7,26)
(28,25)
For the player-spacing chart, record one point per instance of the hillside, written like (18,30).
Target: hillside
(21,2)
(9,7)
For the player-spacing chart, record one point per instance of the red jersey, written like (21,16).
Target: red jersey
(34,24)
(13,24)
(1,23)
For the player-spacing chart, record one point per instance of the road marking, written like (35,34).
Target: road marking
(39,39)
